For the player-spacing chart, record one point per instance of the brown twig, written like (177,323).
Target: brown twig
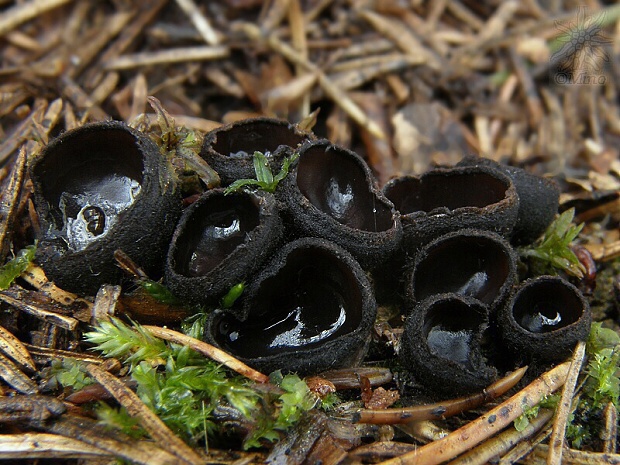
(442,409)
(12,297)
(26,11)
(10,201)
(488,424)
(499,445)
(328,86)
(210,351)
(610,434)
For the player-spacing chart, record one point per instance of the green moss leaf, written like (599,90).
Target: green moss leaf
(16,266)
(553,252)
(233,294)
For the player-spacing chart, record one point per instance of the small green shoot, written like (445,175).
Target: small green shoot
(553,251)
(159,292)
(233,294)
(69,372)
(265,180)
(530,413)
(16,266)
(133,345)
(119,418)
(185,388)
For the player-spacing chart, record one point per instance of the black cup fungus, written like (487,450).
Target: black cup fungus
(331,193)
(538,199)
(474,263)
(310,309)
(449,199)
(98,188)
(220,241)
(443,344)
(544,319)
(229,149)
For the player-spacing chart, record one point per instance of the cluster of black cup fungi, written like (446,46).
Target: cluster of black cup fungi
(318,253)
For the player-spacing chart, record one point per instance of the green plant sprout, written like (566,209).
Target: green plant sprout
(265,179)
(12,269)
(600,387)
(232,295)
(159,292)
(186,389)
(69,372)
(553,252)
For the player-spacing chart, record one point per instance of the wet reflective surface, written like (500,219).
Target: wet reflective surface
(539,322)
(450,328)
(216,228)
(339,200)
(303,305)
(469,266)
(335,184)
(451,345)
(91,206)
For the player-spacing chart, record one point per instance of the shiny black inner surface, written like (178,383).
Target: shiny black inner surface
(452,191)
(470,266)
(263,136)
(546,306)
(450,327)
(312,299)
(335,184)
(216,227)
(88,181)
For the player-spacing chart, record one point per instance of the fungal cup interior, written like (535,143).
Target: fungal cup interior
(450,328)
(216,227)
(88,182)
(546,306)
(440,190)
(243,140)
(465,265)
(336,185)
(313,298)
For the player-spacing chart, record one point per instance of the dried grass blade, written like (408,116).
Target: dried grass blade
(503,442)
(117,444)
(200,22)
(175,55)
(331,90)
